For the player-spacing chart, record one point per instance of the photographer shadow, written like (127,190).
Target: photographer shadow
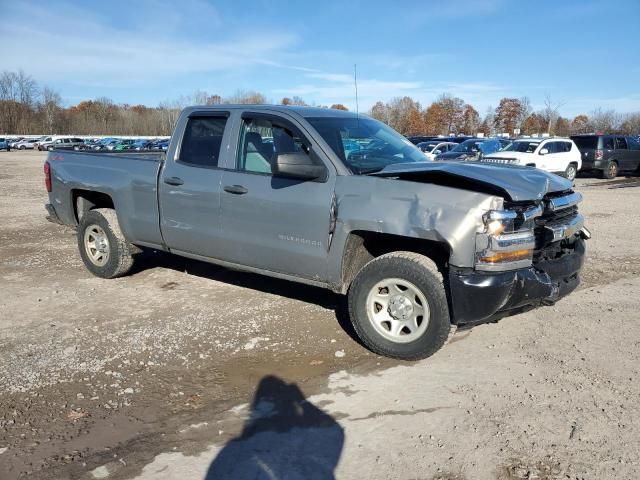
(285,437)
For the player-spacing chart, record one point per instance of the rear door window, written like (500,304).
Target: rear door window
(202,141)
(621,143)
(607,143)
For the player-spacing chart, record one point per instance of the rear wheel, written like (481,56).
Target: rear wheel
(611,171)
(571,171)
(103,248)
(398,306)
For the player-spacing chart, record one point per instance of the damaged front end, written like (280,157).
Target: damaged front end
(527,255)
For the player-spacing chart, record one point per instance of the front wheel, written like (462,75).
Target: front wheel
(103,248)
(570,172)
(398,306)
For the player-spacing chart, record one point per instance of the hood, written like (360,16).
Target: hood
(515,183)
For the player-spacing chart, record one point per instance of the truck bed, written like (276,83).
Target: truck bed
(129,179)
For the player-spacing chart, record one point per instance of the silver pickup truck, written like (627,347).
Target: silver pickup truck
(336,200)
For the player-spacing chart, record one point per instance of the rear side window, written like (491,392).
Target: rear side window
(586,143)
(621,143)
(202,141)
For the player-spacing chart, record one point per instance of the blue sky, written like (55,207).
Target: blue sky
(583,54)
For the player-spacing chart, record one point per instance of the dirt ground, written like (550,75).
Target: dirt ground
(187,370)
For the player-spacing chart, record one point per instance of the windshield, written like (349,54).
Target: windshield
(475,146)
(428,146)
(468,146)
(365,145)
(522,146)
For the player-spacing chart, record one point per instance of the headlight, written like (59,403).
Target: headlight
(507,240)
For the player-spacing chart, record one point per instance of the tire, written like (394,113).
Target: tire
(102,226)
(571,172)
(611,171)
(21,147)
(424,285)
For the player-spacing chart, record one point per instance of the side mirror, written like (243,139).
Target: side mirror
(437,152)
(544,151)
(298,165)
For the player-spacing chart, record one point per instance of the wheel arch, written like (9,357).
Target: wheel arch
(363,246)
(85,200)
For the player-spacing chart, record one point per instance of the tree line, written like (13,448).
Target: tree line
(28,108)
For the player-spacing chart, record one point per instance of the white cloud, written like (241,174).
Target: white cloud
(74,46)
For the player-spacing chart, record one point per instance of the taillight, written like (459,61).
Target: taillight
(599,154)
(47,176)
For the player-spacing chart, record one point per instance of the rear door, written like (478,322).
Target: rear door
(189,186)
(622,154)
(270,222)
(634,153)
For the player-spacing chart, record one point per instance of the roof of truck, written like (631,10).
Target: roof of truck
(300,110)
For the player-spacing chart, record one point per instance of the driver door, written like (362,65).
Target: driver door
(275,223)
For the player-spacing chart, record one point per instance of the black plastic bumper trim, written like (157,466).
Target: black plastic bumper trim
(481,296)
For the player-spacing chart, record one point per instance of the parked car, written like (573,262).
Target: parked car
(4,144)
(44,142)
(555,155)
(434,148)
(418,247)
(14,141)
(65,143)
(125,144)
(26,144)
(609,154)
(141,144)
(471,149)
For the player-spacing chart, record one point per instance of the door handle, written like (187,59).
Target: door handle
(173,181)
(237,189)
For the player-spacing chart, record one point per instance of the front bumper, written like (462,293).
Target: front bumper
(482,296)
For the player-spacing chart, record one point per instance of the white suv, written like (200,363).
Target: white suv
(556,155)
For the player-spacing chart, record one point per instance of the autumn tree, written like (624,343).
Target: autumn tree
(339,106)
(380,112)
(507,115)
(470,120)
(434,120)
(534,124)
(453,112)
(580,124)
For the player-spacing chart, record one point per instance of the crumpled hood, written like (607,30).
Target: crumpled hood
(515,183)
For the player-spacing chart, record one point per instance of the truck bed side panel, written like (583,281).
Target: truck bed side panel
(130,181)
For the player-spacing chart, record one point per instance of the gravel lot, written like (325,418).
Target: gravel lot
(154,375)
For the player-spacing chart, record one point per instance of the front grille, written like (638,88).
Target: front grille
(550,219)
(497,160)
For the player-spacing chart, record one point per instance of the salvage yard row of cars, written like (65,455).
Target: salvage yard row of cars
(64,142)
(606,155)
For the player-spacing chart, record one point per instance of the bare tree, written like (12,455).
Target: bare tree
(550,112)
(50,107)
